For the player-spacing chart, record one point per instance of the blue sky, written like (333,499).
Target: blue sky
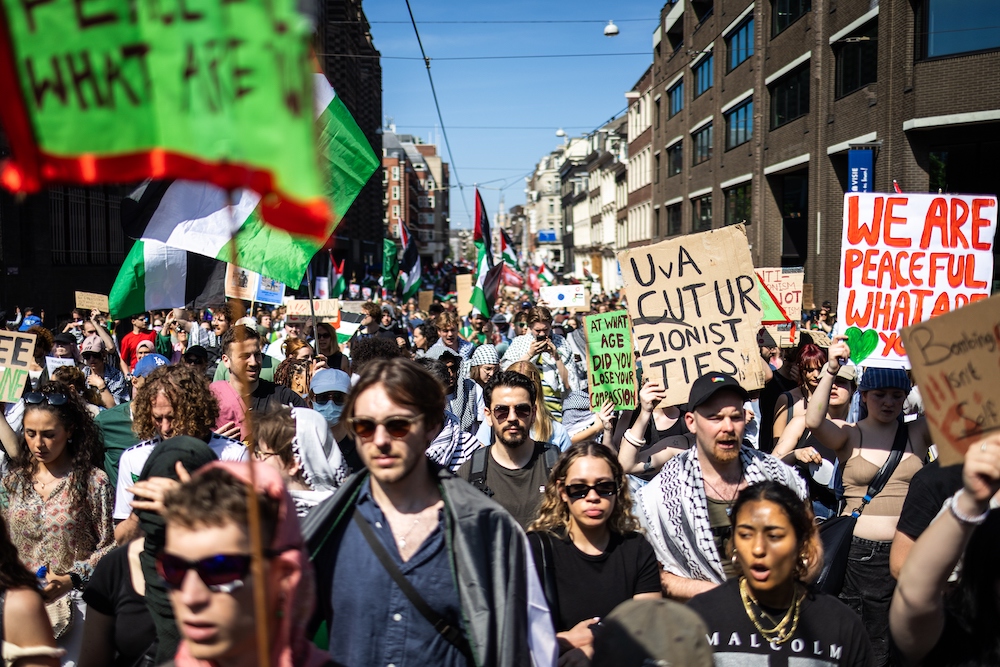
(577,94)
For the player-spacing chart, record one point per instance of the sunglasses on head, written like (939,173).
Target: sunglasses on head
(37,398)
(397,427)
(338,397)
(502,412)
(581,491)
(222,573)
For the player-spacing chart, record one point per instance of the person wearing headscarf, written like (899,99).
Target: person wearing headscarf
(298,444)
(207,518)
(483,365)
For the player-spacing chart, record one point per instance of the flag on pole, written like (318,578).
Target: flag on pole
(482,237)
(155,276)
(337,279)
(532,279)
(507,253)
(484,292)
(410,264)
(197,216)
(545,275)
(390,265)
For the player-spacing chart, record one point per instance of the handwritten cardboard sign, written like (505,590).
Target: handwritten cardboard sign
(327,310)
(88,301)
(52,364)
(16,350)
(564,296)
(956,362)
(906,258)
(785,284)
(610,362)
(463,284)
(695,309)
(240,283)
(425,299)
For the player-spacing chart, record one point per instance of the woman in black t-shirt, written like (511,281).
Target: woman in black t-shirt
(770,609)
(589,554)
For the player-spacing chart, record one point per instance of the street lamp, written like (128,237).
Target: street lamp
(611,30)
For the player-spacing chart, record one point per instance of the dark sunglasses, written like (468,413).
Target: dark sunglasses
(397,427)
(581,491)
(338,397)
(37,398)
(194,361)
(87,356)
(501,412)
(223,573)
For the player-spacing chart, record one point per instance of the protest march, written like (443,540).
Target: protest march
(286,413)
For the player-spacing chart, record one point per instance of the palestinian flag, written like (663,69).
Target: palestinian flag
(532,279)
(203,219)
(155,276)
(545,275)
(507,253)
(410,265)
(484,292)
(390,265)
(337,279)
(481,236)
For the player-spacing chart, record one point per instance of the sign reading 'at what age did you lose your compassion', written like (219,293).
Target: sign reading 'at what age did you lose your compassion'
(695,308)
(907,258)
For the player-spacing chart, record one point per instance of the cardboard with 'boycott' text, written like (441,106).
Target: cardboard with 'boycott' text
(956,362)
(695,309)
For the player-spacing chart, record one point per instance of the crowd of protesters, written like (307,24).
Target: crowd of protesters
(437,489)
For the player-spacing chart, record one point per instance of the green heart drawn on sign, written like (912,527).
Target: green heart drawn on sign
(862,343)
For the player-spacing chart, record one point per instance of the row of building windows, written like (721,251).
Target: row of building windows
(736,204)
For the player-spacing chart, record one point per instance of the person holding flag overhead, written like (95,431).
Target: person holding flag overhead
(484,292)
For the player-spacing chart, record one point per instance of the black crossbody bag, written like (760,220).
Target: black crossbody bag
(836,533)
(452,634)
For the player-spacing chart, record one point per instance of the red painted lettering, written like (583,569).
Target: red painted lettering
(956,270)
(882,310)
(918,309)
(854,318)
(979,222)
(935,258)
(856,232)
(941,305)
(970,274)
(886,269)
(937,218)
(901,311)
(959,216)
(898,269)
(891,219)
(869,267)
(852,260)
(916,266)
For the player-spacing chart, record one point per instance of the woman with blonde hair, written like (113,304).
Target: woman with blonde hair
(587,548)
(546,429)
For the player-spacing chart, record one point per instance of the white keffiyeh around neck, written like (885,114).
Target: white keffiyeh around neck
(674,512)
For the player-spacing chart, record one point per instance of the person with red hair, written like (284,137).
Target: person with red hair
(810,365)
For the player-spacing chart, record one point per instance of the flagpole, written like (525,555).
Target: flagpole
(312,308)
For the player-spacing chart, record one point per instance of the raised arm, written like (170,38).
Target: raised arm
(917,617)
(11,443)
(832,434)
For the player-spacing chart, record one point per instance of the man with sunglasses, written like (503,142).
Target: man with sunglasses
(515,469)
(413,565)
(130,341)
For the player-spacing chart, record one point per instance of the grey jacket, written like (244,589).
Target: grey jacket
(489,560)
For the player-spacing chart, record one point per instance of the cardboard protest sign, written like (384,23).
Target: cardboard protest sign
(327,310)
(52,364)
(785,284)
(610,362)
(695,309)
(463,283)
(808,302)
(906,258)
(564,296)
(269,291)
(955,361)
(425,299)
(772,312)
(16,351)
(88,301)
(240,283)
(219,92)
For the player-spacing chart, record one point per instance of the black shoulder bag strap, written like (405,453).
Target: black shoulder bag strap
(889,467)
(477,469)
(451,633)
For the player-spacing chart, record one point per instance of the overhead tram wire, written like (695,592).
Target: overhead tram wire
(437,106)
(363,56)
(508,22)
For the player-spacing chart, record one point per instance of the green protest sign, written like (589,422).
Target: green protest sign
(610,361)
(102,91)
(16,350)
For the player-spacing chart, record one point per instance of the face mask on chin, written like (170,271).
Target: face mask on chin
(331,411)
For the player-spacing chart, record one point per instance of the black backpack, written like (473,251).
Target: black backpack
(481,460)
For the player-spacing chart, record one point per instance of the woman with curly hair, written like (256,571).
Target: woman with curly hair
(587,547)
(294,374)
(59,501)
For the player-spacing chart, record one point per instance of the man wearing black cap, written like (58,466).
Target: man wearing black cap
(685,509)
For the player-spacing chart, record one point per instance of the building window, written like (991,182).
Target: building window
(738,204)
(656,112)
(703,75)
(86,227)
(675,159)
(395,211)
(857,59)
(395,192)
(739,44)
(701,213)
(702,140)
(676,98)
(656,223)
(674,220)
(395,173)
(739,125)
(946,29)
(656,168)
(786,12)
(790,96)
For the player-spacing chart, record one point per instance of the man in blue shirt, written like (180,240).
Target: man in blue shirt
(413,565)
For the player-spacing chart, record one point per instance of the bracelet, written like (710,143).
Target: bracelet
(637,442)
(829,373)
(964,518)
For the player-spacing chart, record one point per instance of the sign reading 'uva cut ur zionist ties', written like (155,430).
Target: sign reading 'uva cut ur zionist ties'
(695,309)
(102,91)
(906,258)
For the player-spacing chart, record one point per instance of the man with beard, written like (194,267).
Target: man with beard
(685,509)
(515,469)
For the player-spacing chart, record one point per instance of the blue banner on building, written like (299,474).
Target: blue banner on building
(859,169)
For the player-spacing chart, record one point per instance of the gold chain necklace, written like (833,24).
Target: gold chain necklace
(785,628)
